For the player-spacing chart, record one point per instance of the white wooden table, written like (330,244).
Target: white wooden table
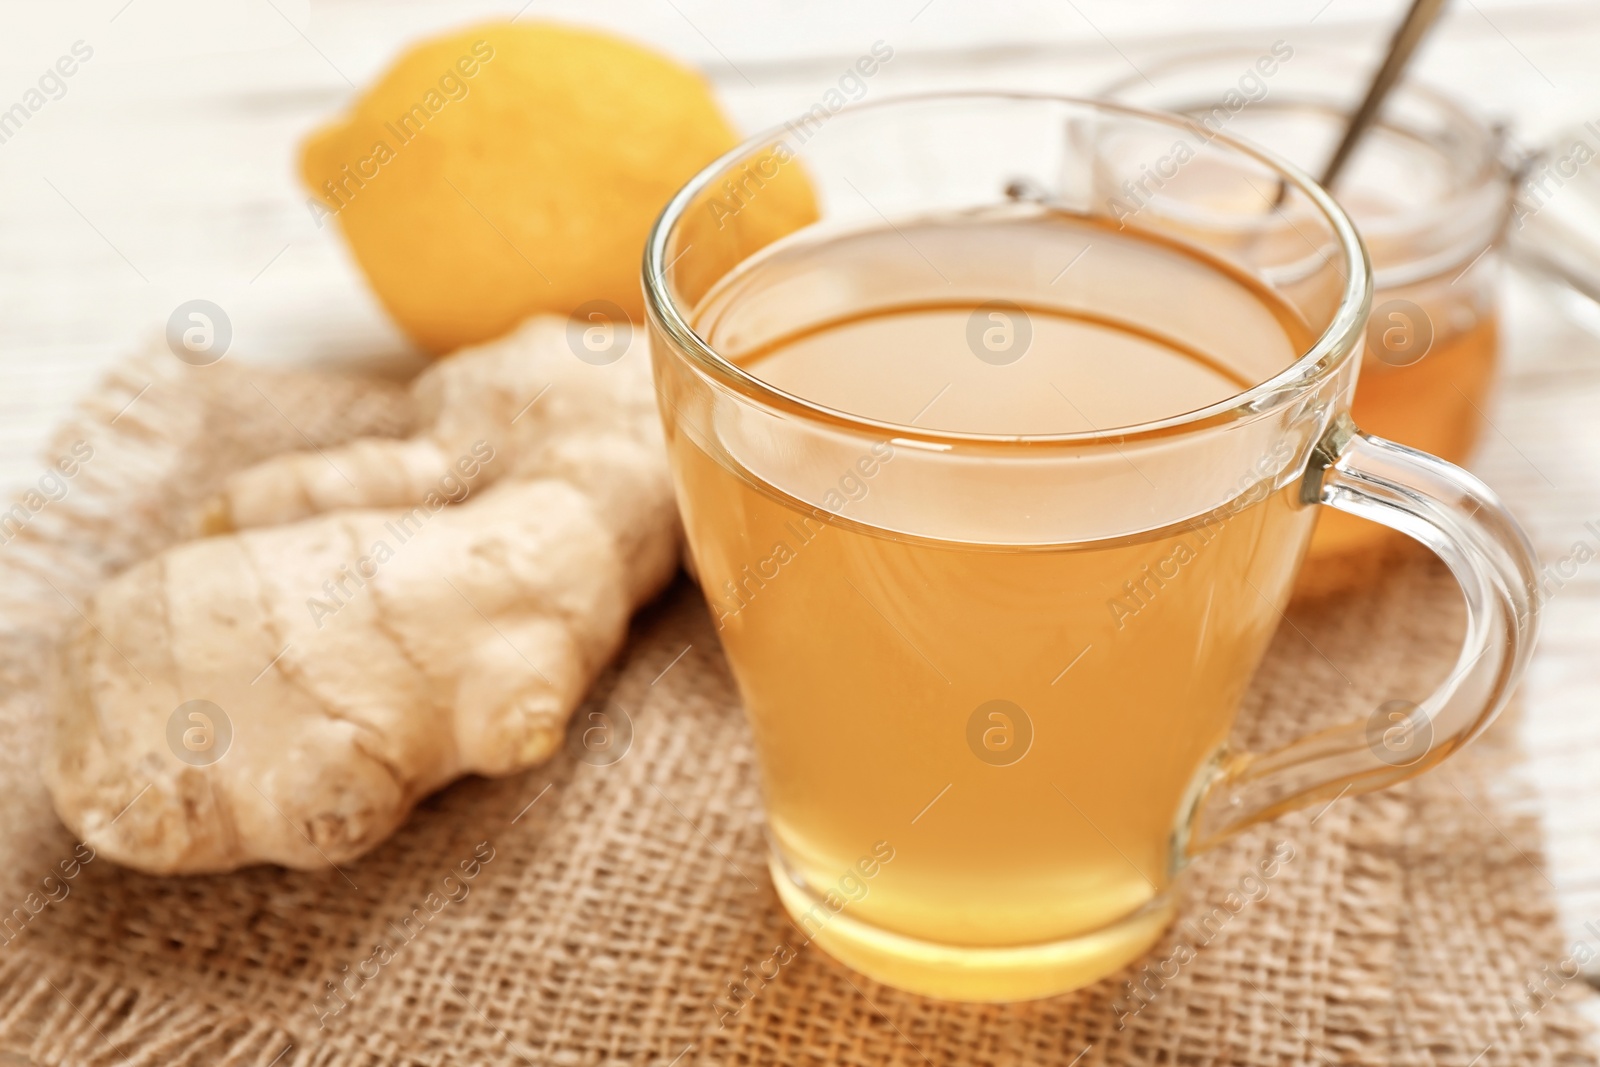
(164,172)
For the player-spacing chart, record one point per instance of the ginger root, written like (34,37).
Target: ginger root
(287,694)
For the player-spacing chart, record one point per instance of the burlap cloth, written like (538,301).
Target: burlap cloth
(620,904)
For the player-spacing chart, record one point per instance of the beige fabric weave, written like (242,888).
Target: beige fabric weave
(620,900)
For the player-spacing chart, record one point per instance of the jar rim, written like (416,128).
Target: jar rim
(1477,204)
(1320,360)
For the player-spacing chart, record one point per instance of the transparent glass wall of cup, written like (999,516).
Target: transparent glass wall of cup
(1430,192)
(986,753)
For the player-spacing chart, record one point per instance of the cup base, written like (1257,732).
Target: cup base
(961,972)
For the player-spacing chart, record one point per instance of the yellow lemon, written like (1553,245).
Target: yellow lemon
(512,169)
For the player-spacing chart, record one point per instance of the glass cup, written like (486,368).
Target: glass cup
(1430,190)
(990,674)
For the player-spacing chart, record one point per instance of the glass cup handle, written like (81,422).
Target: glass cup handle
(1464,523)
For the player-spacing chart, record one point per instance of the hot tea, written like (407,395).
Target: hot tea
(1049,704)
